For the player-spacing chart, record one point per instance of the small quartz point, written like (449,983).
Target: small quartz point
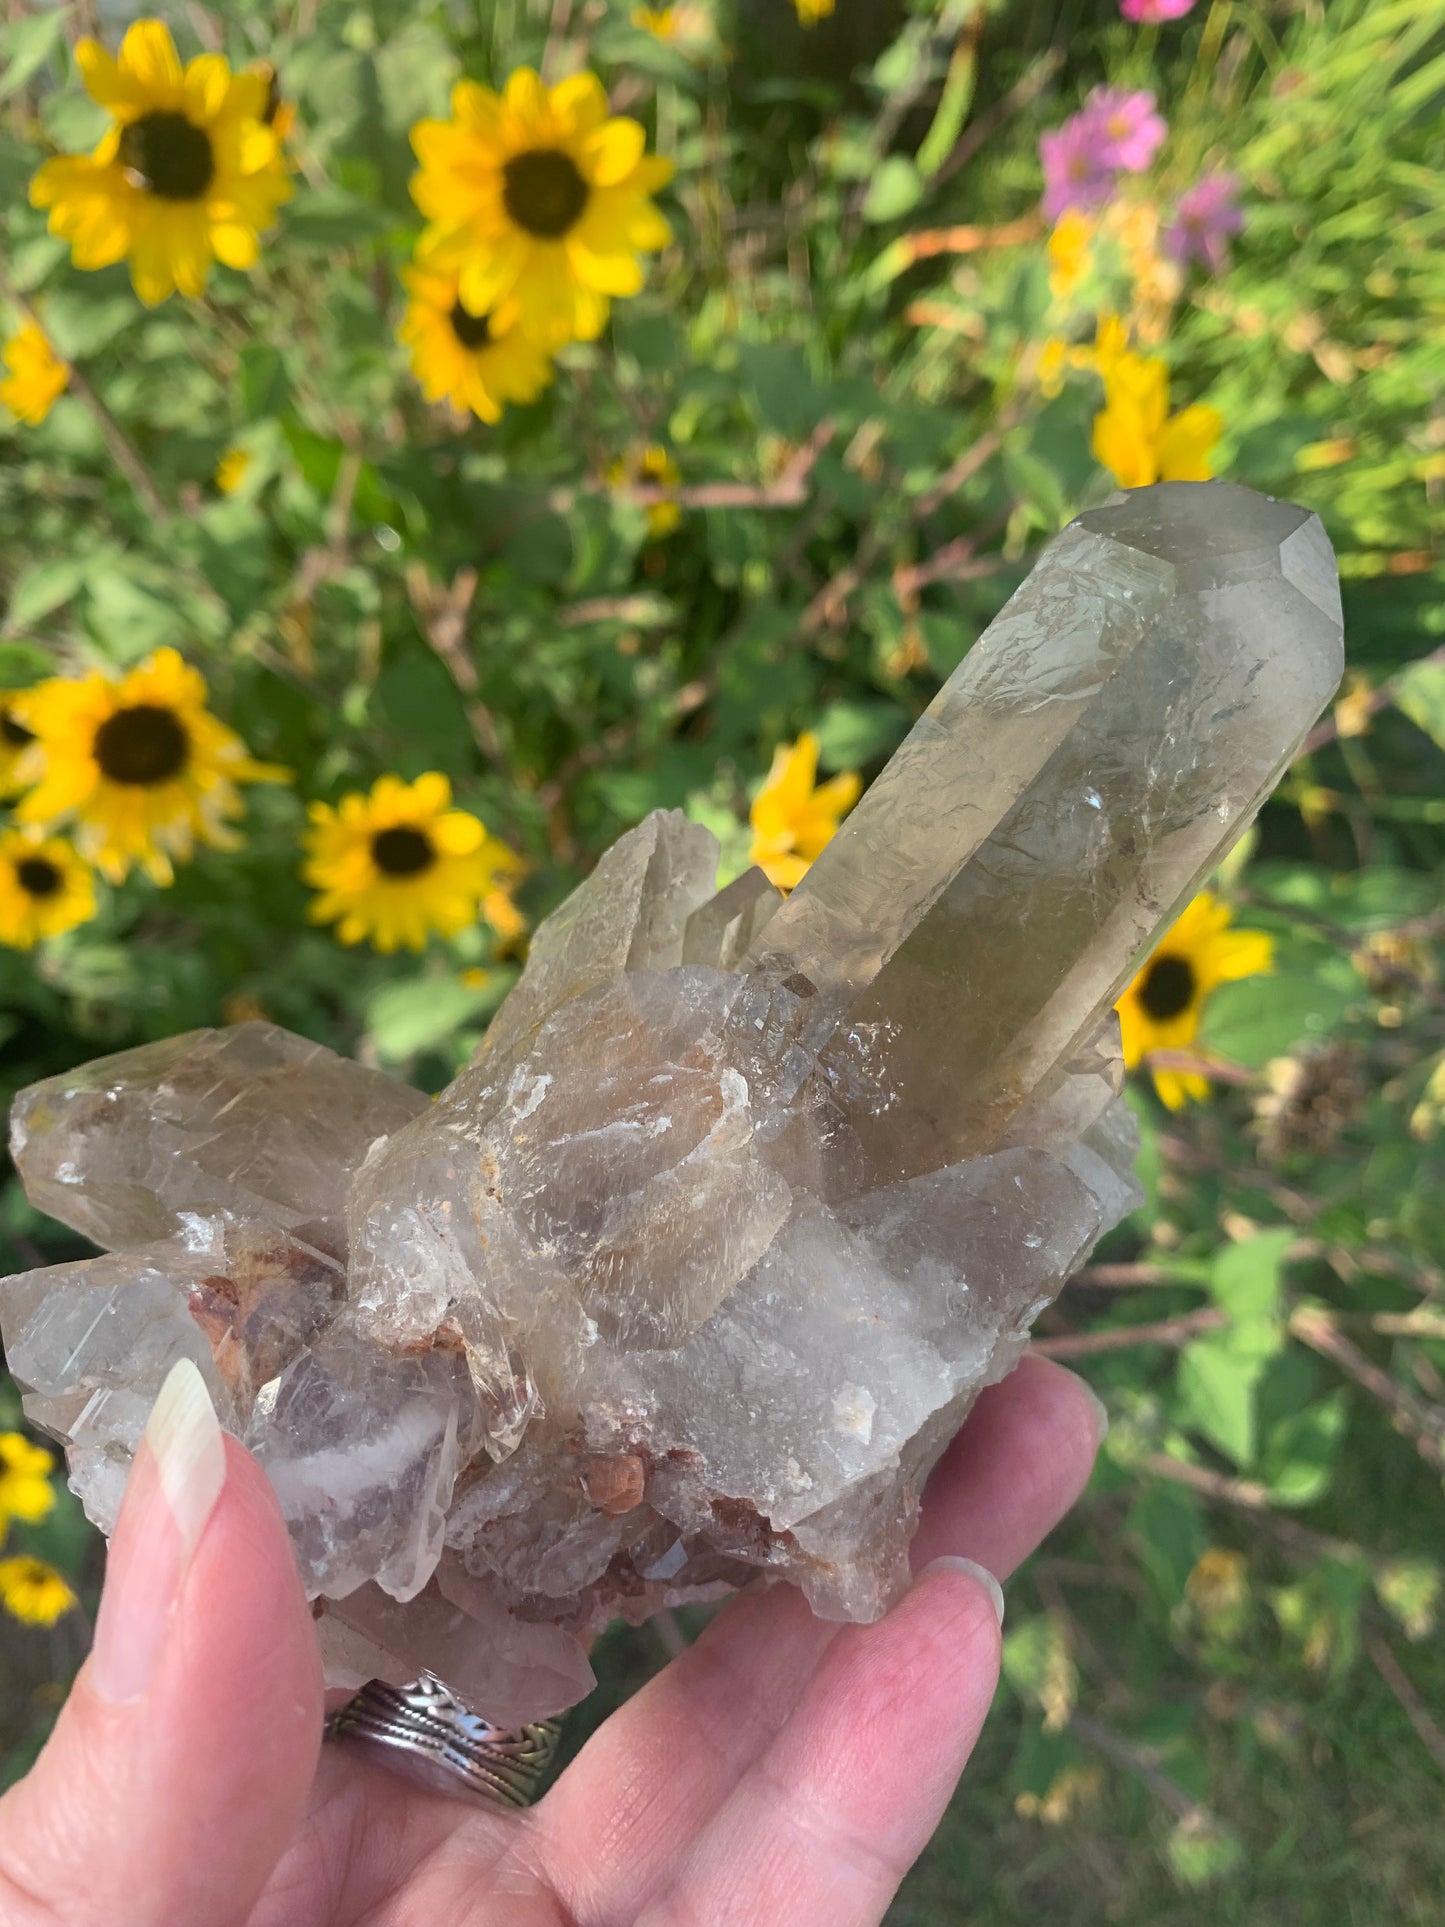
(693,1272)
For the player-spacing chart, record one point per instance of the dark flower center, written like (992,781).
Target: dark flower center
(402,851)
(543,192)
(38,876)
(473,331)
(143,744)
(168,155)
(13,733)
(1168,988)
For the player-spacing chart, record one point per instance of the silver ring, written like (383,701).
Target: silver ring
(424,1732)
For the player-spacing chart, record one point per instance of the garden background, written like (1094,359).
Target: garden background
(926,295)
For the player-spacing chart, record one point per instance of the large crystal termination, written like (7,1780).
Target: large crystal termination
(694,1271)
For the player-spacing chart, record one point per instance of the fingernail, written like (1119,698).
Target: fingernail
(1097,1406)
(174,1485)
(975,1571)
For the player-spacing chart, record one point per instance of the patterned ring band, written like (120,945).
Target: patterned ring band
(424,1732)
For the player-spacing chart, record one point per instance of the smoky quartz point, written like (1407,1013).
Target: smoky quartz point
(694,1271)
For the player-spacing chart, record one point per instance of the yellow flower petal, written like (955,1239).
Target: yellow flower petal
(785,872)
(1185,443)
(793,821)
(1243,953)
(148,57)
(613,152)
(106,83)
(207,85)
(612,274)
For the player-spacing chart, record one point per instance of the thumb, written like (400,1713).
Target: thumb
(179,1766)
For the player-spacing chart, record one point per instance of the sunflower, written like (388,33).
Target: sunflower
(399,863)
(1161,1009)
(189,173)
(474,361)
(37,375)
(278,112)
(1070,249)
(15,739)
(230,471)
(794,816)
(25,1489)
(535,196)
(654,465)
(139,762)
(45,888)
(1137,439)
(33,1591)
(688,28)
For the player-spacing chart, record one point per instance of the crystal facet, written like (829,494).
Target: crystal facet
(694,1271)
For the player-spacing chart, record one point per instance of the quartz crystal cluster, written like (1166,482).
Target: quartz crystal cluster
(693,1272)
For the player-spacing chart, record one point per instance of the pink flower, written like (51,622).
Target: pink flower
(1150,12)
(1203,222)
(1075,172)
(1126,128)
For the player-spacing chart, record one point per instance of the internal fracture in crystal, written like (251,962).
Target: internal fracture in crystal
(694,1271)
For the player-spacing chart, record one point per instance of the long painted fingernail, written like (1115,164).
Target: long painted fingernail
(177,1478)
(985,1578)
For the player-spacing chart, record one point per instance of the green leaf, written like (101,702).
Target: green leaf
(1263,1017)
(1167,1534)
(1245,1278)
(1266,451)
(333,219)
(1356,899)
(787,397)
(417,699)
(127,618)
(896,188)
(73,120)
(414,73)
(851,734)
(264,387)
(1149,1164)
(652,340)
(541,551)
(26,45)
(1201,1850)
(317,456)
(403,1019)
(42,587)
(1217,1382)
(83,318)
(1420,695)
(1298,1459)
(953,106)
(1032,478)
(22,663)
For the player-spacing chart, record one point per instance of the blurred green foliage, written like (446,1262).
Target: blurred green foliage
(1222,1671)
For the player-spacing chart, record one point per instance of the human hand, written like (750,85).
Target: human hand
(780,1769)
